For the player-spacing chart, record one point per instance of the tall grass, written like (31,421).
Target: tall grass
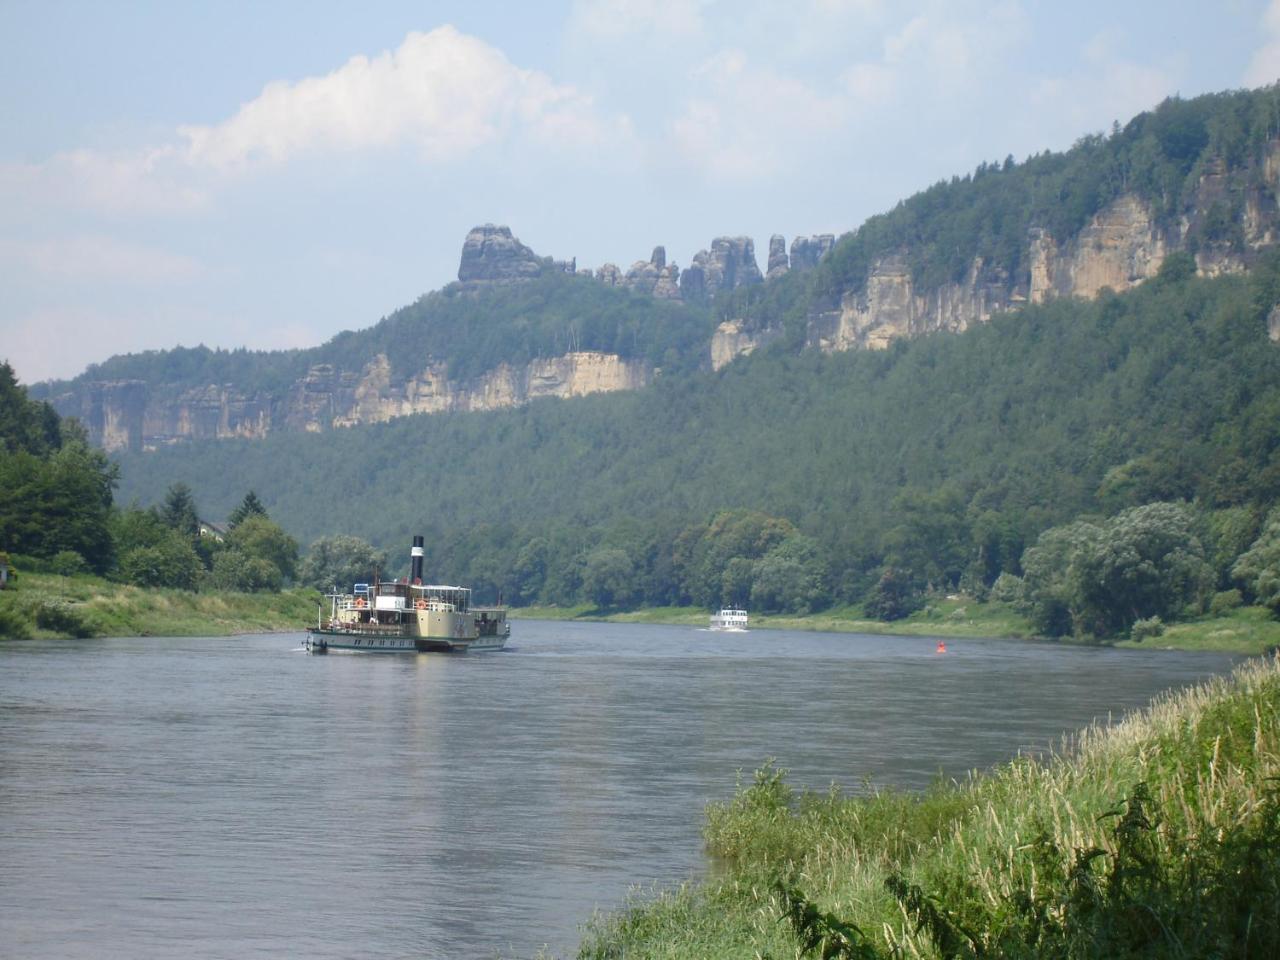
(1157,837)
(43,604)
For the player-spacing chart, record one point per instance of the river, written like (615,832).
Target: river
(238,798)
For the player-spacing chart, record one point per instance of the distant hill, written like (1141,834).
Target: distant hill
(945,454)
(1199,177)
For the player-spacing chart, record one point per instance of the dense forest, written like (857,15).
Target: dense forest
(796,480)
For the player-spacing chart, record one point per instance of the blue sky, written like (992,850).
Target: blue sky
(268,174)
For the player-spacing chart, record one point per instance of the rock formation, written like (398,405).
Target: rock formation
(125,414)
(654,277)
(490,254)
(730,263)
(807,251)
(778,264)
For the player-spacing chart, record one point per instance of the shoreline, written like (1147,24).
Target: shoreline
(1247,630)
(103,608)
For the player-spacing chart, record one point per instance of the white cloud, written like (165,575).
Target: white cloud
(98,258)
(1264,68)
(444,91)
(146,182)
(618,19)
(447,93)
(749,120)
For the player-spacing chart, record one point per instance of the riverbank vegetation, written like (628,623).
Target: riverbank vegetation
(1240,629)
(83,605)
(1156,837)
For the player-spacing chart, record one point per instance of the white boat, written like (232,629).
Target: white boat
(729,619)
(408,616)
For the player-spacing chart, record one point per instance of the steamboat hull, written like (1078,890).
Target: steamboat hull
(344,641)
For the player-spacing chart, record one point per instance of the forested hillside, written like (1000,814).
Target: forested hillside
(1202,167)
(1200,177)
(933,464)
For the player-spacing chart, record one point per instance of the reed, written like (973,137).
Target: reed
(1156,837)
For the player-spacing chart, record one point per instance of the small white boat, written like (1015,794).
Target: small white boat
(729,619)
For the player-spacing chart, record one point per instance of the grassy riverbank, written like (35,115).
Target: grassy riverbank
(1155,837)
(47,605)
(1247,630)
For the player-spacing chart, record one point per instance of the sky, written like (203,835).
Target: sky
(270,174)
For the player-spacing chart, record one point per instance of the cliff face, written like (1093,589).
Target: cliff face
(124,414)
(1119,248)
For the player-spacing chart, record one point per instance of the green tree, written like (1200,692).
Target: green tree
(250,506)
(1147,563)
(171,561)
(790,578)
(608,577)
(25,425)
(62,502)
(1258,569)
(179,511)
(236,570)
(894,596)
(1099,579)
(1052,592)
(340,561)
(259,538)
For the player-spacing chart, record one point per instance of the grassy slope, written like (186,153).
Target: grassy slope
(1004,864)
(1247,630)
(113,609)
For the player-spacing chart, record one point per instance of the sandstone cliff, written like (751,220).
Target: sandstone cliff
(126,414)
(1120,247)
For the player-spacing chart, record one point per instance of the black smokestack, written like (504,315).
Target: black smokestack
(415,572)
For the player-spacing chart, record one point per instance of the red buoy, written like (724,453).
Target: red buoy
(942,647)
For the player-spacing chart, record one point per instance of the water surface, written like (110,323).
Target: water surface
(234,797)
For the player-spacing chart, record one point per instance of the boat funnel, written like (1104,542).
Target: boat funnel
(415,565)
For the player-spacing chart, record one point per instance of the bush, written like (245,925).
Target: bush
(14,623)
(1008,588)
(1224,601)
(68,563)
(61,617)
(1143,629)
(235,570)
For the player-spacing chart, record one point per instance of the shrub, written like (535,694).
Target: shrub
(1008,588)
(68,563)
(1143,629)
(14,623)
(61,617)
(1224,601)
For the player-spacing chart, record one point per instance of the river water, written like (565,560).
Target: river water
(237,798)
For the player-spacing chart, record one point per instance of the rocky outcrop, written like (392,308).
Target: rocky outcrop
(889,307)
(112,411)
(807,251)
(735,338)
(1119,248)
(124,414)
(490,254)
(654,277)
(729,264)
(778,263)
